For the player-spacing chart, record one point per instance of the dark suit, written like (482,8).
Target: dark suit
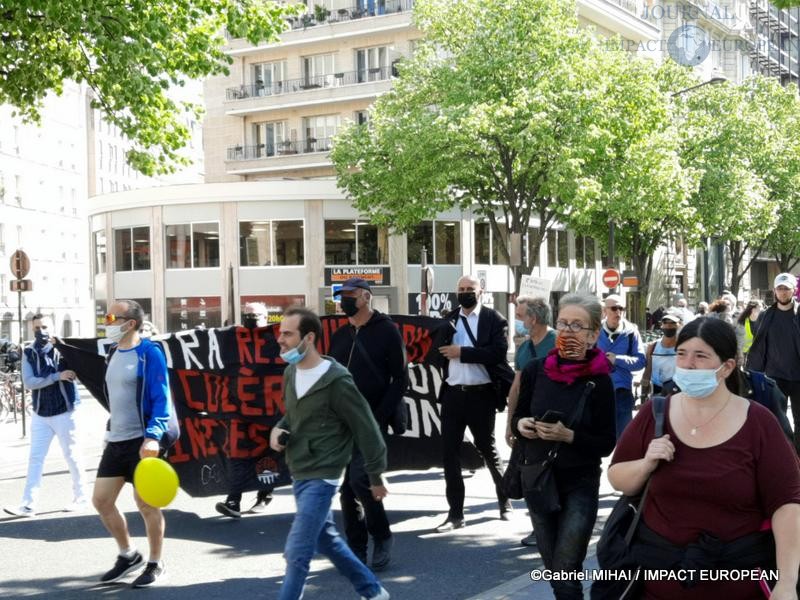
(473,407)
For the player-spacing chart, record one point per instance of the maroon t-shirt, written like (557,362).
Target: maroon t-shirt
(726,490)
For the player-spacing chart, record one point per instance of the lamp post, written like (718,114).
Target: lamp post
(707,246)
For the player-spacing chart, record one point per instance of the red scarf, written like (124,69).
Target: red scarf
(569,372)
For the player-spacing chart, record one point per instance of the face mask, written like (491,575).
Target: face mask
(697,383)
(42,337)
(115,333)
(349,306)
(250,321)
(520,327)
(294,355)
(669,333)
(467,299)
(570,347)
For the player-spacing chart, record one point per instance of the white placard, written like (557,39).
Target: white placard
(535,287)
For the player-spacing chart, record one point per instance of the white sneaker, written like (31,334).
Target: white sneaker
(20,511)
(79,506)
(382,595)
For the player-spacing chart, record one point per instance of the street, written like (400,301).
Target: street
(61,555)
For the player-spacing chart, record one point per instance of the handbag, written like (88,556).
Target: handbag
(512,477)
(613,549)
(538,479)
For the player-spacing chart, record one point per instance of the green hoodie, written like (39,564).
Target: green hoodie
(324,424)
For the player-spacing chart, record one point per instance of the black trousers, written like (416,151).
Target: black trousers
(475,409)
(363,516)
(241,473)
(791,391)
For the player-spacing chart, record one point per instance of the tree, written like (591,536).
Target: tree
(129,53)
(496,111)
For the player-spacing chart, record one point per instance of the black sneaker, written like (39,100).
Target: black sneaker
(122,567)
(262,501)
(229,508)
(150,575)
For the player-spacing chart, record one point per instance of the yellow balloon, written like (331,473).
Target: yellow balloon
(156,481)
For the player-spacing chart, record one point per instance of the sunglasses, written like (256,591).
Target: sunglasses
(111,318)
(616,308)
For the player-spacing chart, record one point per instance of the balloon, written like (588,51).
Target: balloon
(156,481)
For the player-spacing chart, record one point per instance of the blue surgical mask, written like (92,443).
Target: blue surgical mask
(520,327)
(294,355)
(697,383)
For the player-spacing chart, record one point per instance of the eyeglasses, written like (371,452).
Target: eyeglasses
(111,318)
(617,308)
(574,327)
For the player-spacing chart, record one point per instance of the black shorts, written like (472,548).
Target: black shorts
(120,459)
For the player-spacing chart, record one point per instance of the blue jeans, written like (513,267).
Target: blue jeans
(624,404)
(313,529)
(563,536)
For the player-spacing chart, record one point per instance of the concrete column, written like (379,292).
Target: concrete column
(158,268)
(315,252)
(398,262)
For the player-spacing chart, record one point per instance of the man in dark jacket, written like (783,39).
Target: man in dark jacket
(476,358)
(372,350)
(776,346)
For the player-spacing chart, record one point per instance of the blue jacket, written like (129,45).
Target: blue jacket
(153,398)
(629,351)
(41,373)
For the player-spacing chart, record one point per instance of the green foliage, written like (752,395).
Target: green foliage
(129,53)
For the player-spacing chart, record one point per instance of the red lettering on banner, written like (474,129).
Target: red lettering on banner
(246,396)
(196,439)
(260,341)
(218,393)
(262,441)
(243,340)
(177,454)
(187,391)
(208,430)
(236,434)
(273,395)
(418,342)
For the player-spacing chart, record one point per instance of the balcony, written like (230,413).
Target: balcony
(293,86)
(284,148)
(629,18)
(369,8)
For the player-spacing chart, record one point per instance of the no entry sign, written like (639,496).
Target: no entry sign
(611,278)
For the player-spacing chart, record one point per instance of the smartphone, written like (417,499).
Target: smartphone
(552,416)
(283,438)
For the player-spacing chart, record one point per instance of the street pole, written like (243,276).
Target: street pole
(423,283)
(21,358)
(612,250)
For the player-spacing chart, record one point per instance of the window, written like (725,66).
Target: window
(276,243)
(372,64)
(584,252)
(2,239)
(488,249)
(355,243)
(99,252)
(268,138)
(533,251)
(193,312)
(192,245)
(318,71)
(319,131)
(268,78)
(557,249)
(442,240)
(18,189)
(361,117)
(132,249)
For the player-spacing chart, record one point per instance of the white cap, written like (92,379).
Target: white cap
(786,280)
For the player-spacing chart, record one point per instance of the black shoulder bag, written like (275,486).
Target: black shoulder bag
(538,480)
(613,549)
(502,378)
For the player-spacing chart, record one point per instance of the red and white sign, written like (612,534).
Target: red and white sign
(611,278)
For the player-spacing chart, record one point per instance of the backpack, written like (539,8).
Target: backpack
(766,392)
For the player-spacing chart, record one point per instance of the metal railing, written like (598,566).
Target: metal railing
(284,148)
(369,8)
(291,86)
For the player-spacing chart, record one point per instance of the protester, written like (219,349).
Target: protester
(702,309)
(372,350)
(720,471)
(776,346)
(476,358)
(681,308)
(55,399)
(142,423)
(747,326)
(325,415)
(243,469)
(573,375)
(721,309)
(620,342)
(660,368)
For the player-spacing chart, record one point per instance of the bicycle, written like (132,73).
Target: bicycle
(11,397)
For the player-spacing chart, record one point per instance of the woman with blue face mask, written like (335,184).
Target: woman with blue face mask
(722,473)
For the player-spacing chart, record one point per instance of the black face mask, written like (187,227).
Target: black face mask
(42,337)
(669,333)
(467,299)
(250,321)
(348,306)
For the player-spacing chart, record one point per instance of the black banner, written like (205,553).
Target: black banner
(227,387)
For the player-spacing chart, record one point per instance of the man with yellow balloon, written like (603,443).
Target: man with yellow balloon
(142,425)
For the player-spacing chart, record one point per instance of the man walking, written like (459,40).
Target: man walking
(142,423)
(325,416)
(776,346)
(372,350)
(622,345)
(55,399)
(475,359)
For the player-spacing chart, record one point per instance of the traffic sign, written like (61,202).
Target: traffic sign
(20,264)
(630,279)
(21,285)
(611,278)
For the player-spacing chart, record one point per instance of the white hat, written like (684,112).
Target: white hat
(786,280)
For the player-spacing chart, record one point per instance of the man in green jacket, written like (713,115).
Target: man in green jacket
(325,416)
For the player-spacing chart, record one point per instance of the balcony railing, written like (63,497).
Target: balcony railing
(291,86)
(368,8)
(284,148)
